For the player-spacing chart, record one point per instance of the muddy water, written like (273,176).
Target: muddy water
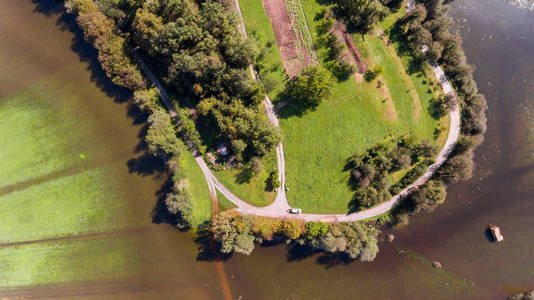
(44,61)
(158,261)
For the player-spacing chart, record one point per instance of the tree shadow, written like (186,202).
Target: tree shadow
(435,110)
(292,108)
(159,213)
(297,253)
(208,248)
(146,165)
(244,176)
(86,52)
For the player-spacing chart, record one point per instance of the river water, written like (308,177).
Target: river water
(157,260)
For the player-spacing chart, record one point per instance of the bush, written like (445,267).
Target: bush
(456,168)
(272,181)
(315,229)
(146,99)
(292,228)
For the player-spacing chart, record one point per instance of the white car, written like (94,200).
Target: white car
(295,211)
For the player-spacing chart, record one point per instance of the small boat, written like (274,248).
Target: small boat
(496,233)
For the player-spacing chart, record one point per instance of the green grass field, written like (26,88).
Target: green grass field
(198,187)
(318,143)
(258,26)
(252,191)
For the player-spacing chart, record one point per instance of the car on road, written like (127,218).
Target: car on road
(295,211)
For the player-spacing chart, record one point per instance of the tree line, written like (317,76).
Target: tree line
(239,233)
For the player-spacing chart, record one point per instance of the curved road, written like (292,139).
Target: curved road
(279,208)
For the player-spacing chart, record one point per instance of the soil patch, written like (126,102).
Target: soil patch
(296,53)
(350,54)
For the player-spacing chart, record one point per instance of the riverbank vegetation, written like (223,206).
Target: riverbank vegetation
(238,233)
(427,24)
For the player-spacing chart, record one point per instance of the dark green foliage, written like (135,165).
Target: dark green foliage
(146,100)
(427,197)
(272,182)
(188,128)
(179,205)
(363,14)
(243,126)
(371,75)
(312,87)
(370,170)
(368,197)
(445,48)
(233,232)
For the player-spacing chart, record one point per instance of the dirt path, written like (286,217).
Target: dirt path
(295,51)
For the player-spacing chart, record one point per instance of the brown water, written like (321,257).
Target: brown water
(499,42)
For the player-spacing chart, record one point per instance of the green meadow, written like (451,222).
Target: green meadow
(318,143)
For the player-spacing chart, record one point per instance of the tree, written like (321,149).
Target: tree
(369,196)
(313,86)
(363,14)
(160,137)
(179,205)
(315,229)
(427,197)
(459,167)
(292,229)
(233,232)
(146,99)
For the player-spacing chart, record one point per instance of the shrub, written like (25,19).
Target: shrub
(272,181)
(456,168)
(179,205)
(292,229)
(313,86)
(315,229)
